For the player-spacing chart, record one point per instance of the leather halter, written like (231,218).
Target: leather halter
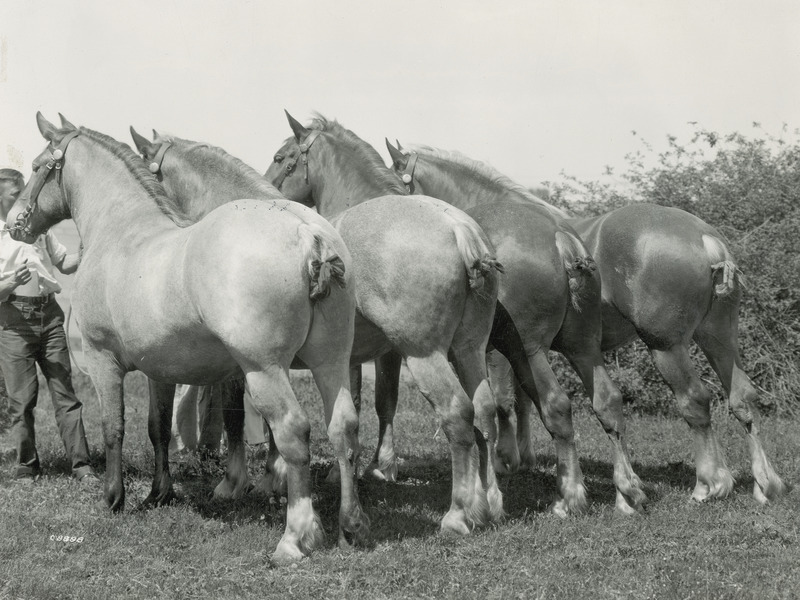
(408,172)
(155,164)
(304,148)
(56,161)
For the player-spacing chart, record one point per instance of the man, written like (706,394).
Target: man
(31,333)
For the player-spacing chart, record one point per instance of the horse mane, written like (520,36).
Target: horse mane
(143,176)
(259,185)
(485,171)
(382,175)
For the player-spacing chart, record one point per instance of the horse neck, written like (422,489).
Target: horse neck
(452,183)
(462,187)
(344,179)
(106,199)
(198,187)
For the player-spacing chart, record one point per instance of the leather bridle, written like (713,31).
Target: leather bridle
(408,172)
(155,165)
(288,169)
(56,161)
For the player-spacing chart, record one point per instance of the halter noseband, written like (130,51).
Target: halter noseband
(56,161)
(408,172)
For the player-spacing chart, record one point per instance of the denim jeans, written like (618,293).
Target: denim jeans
(30,335)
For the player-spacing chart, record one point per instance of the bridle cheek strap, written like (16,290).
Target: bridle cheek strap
(408,172)
(306,146)
(155,164)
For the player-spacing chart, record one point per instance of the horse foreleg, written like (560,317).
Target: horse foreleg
(210,401)
(470,364)
(236,481)
(501,378)
(714,479)
(159,423)
(107,378)
(387,383)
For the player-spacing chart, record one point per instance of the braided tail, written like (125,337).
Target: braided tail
(578,264)
(325,268)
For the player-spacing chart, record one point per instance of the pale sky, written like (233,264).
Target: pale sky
(534,88)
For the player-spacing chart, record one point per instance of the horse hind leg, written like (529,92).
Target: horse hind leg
(333,382)
(714,479)
(716,336)
(607,407)
(436,381)
(273,397)
(555,410)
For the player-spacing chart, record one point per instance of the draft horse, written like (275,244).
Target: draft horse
(198,303)
(413,301)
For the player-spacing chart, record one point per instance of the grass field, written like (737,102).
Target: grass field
(202,548)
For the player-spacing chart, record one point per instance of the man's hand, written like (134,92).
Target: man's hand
(22,274)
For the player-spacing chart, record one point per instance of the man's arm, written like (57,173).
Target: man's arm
(13,280)
(69,264)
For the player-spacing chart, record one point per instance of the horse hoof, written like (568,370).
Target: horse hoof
(454,523)
(287,553)
(387,473)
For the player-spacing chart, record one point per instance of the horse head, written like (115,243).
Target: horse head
(283,171)
(44,201)
(404,165)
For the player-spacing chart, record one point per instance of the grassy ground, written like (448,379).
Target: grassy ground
(201,548)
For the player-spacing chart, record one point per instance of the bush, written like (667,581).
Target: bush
(748,187)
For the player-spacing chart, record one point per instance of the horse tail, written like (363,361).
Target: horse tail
(724,272)
(578,264)
(325,267)
(478,257)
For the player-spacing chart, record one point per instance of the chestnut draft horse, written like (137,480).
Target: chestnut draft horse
(411,302)
(668,278)
(200,303)
(550,298)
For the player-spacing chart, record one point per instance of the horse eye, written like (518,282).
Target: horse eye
(278,158)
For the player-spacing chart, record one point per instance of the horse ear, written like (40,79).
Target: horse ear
(66,124)
(156,135)
(399,147)
(142,144)
(398,158)
(46,128)
(300,132)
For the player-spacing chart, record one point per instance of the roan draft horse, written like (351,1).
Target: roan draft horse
(550,299)
(440,260)
(201,303)
(669,278)
(403,306)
